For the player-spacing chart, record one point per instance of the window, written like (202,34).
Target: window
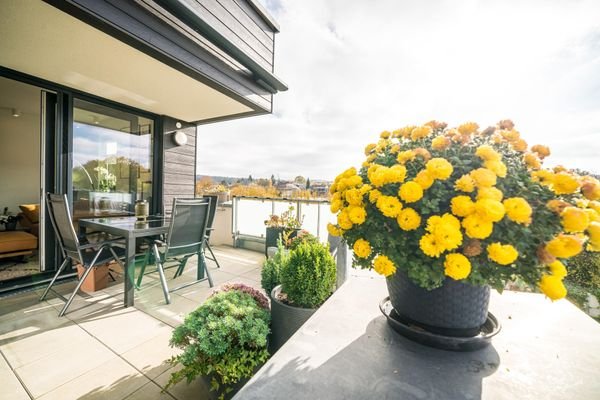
(112,160)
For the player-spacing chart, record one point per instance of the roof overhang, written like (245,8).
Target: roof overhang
(38,39)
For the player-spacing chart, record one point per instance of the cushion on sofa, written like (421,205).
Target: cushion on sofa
(13,241)
(31,212)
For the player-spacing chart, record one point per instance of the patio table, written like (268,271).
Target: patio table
(131,229)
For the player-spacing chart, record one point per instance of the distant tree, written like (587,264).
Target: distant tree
(250,178)
(223,182)
(300,180)
(273,182)
(203,184)
(307,183)
(263,182)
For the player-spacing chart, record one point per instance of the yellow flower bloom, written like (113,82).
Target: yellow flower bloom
(574,219)
(457,266)
(440,143)
(384,266)
(490,193)
(395,148)
(489,210)
(558,269)
(564,246)
(532,161)
(510,135)
(343,220)
(395,174)
(354,197)
(593,216)
(411,192)
(357,214)
(409,219)
(389,206)
(445,230)
(518,210)
(477,228)
(378,176)
(333,230)
(374,195)
(421,132)
(362,248)
(465,184)
(543,176)
(564,183)
(541,150)
(423,153)
(424,179)
(404,132)
(385,134)
(591,189)
(487,153)
(593,232)
(519,145)
(483,177)
(353,181)
(462,206)
(552,287)
(497,167)
(364,189)
(369,148)
(333,188)
(439,168)
(349,172)
(503,254)
(468,128)
(336,205)
(431,246)
(405,156)
(594,205)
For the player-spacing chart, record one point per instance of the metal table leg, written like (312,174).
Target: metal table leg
(129,271)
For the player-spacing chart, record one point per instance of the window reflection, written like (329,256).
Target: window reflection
(112,160)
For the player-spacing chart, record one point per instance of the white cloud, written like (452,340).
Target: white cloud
(357,68)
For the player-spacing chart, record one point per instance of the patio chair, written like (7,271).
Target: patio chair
(211,218)
(87,254)
(185,239)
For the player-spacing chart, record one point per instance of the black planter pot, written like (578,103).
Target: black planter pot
(285,320)
(454,309)
(273,234)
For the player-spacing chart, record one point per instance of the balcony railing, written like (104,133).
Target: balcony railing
(250,213)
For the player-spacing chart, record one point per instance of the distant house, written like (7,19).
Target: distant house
(320,189)
(288,189)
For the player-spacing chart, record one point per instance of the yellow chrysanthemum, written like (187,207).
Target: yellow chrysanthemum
(410,192)
(518,210)
(409,219)
(354,197)
(489,210)
(439,168)
(377,174)
(421,132)
(353,181)
(369,148)
(552,287)
(593,232)
(477,228)
(336,205)
(389,206)
(465,184)
(592,215)
(558,269)
(564,246)
(519,145)
(405,156)
(357,214)
(343,220)
(564,183)
(333,188)
(497,167)
(395,148)
(503,254)
(384,266)
(468,128)
(574,219)
(364,189)
(591,189)
(385,134)
(532,161)
(541,150)
(490,193)
(362,248)
(445,230)
(543,176)
(594,205)
(462,206)
(423,153)
(431,246)
(487,153)
(483,177)
(333,230)
(374,195)
(396,174)
(440,143)
(424,179)
(457,266)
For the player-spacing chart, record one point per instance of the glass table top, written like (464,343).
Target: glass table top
(129,223)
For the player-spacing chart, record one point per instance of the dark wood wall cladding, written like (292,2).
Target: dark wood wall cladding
(179,163)
(239,23)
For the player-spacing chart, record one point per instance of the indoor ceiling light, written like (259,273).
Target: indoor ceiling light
(96,120)
(16,112)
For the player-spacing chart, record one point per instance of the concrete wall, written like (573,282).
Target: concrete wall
(19,160)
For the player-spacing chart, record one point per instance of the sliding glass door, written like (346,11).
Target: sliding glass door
(112,160)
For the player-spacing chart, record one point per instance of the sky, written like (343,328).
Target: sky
(356,68)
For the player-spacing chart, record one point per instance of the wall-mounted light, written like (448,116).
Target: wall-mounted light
(16,112)
(178,125)
(180,138)
(96,120)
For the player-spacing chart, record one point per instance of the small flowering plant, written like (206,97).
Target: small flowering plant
(473,205)
(286,220)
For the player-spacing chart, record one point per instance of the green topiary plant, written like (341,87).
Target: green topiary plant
(225,338)
(271,268)
(308,277)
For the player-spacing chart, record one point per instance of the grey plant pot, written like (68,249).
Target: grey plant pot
(285,320)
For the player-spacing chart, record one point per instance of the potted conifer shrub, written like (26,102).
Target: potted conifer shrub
(307,280)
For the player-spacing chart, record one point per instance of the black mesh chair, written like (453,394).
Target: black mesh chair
(211,218)
(89,255)
(185,239)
